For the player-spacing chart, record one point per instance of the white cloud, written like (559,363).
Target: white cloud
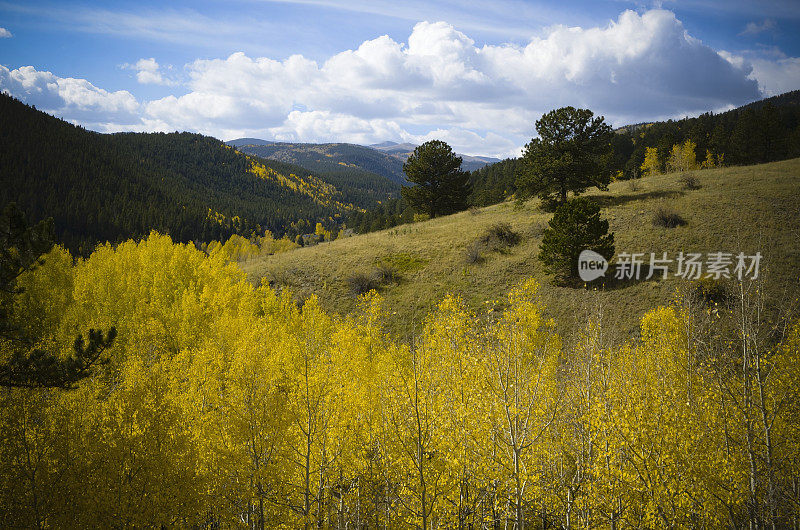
(483,99)
(777,77)
(5,34)
(754,28)
(637,67)
(72,99)
(472,142)
(325,126)
(148,71)
(774,72)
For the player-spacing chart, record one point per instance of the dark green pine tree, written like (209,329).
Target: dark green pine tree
(576,226)
(441,187)
(21,363)
(573,152)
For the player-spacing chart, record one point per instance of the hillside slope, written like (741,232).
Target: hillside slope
(349,166)
(111,187)
(352,164)
(749,209)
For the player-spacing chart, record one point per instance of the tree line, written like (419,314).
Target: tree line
(764,131)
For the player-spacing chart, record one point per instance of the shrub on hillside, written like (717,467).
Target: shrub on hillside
(386,273)
(500,236)
(362,283)
(690,182)
(473,253)
(710,291)
(667,218)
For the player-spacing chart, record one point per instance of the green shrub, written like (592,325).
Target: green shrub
(386,273)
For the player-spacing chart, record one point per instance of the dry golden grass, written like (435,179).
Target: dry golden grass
(753,208)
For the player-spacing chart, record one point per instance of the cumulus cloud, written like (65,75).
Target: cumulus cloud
(774,74)
(5,34)
(754,28)
(640,66)
(73,99)
(148,71)
(483,99)
(326,126)
(777,77)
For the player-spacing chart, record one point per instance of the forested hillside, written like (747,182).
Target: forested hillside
(351,168)
(101,187)
(342,164)
(763,131)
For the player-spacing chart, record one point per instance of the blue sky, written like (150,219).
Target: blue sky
(476,74)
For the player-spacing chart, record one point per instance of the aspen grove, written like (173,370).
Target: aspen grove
(227,405)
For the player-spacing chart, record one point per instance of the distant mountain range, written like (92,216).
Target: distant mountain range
(404,150)
(347,161)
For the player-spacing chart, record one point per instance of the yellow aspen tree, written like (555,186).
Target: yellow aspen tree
(164,299)
(453,335)
(709,162)
(36,460)
(756,386)
(657,419)
(651,164)
(577,440)
(314,410)
(419,424)
(683,157)
(39,454)
(363,484)
(784,394)
(522,363)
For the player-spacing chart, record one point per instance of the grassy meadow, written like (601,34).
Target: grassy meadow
(747,209)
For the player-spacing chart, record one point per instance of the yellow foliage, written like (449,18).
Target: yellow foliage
(226,404)
(683,157)
(238,248)
(319,190)
(651,165)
